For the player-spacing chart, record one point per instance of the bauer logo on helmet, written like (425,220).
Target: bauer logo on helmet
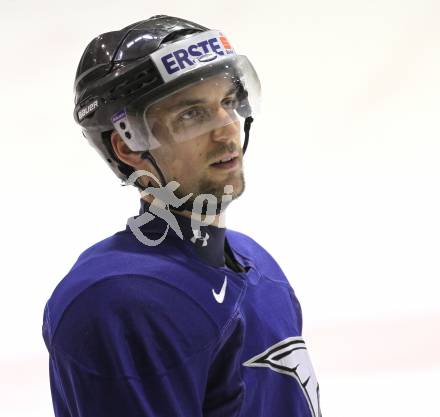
(84,111)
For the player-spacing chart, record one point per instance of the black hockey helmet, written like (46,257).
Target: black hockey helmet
(122,73)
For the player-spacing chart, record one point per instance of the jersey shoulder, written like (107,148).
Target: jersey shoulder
(120,277)
(247,248)
(139,321)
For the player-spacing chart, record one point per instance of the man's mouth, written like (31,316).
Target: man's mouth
(229,160)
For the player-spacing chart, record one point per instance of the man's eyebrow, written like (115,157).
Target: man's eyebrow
(192,102)
(185,103)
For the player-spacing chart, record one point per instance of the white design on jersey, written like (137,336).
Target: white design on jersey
(221,295)
(290,357)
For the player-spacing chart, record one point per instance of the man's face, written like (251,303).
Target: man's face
(197,127)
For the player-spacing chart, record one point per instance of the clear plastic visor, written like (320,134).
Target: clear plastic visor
(212,108)
(211,105)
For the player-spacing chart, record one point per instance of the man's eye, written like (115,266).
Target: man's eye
(191,114)
(230,103)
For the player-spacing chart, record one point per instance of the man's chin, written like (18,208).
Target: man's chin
(225,190)
(233,186)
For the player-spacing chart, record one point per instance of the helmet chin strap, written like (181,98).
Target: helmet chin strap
(187,205)
(247,127)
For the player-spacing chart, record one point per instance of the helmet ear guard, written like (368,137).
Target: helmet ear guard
(129,130)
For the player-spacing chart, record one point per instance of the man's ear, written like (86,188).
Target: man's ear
(124,153)
(132,158)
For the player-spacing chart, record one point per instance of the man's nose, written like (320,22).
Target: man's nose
(226,126)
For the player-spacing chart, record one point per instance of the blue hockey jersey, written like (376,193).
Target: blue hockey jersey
(170,331)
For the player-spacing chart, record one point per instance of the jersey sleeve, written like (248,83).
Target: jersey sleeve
(130,346)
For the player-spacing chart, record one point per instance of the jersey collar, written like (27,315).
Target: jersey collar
(208,241)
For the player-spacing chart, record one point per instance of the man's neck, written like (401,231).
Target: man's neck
(218,220)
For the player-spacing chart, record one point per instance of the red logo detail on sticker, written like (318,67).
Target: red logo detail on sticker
(225,42)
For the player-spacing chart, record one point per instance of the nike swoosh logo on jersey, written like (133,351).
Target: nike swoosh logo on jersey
(221,295)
